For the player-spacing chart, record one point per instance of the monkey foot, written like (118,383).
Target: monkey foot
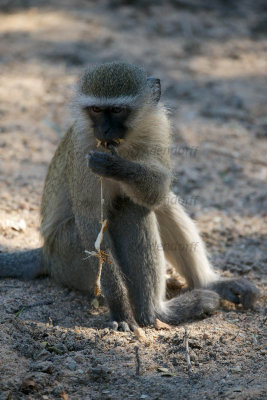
(122,326)
(238,291)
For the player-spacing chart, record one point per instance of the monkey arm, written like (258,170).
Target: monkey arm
(146,184)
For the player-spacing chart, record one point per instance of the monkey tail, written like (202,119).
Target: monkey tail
(22,265)
(196,303)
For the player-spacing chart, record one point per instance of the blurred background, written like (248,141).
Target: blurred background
(211,57)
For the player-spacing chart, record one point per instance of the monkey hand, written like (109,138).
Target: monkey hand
(238,291)
(107,165)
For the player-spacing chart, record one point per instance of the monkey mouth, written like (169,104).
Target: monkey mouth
(115,142)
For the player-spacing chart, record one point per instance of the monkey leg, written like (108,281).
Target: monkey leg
(185,250)
(182,244)
(135,238)
(138,250)
(69,265)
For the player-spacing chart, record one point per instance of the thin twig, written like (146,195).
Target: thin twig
(187,355)
(100,254)
(101,201)
(138,361)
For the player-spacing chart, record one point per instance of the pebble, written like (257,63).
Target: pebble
(237,389)
(58,390)
(79,358)
(43,366)
(193,356)
(70,364)
(236,369)
(99,373)
(79,371)
(43,355)
(161,369)
(62,347)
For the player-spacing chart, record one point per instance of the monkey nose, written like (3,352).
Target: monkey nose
(106,132)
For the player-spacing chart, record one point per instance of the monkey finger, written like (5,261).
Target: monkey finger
(99,162)
(249,295)
(99,154)
(231,296)
(239,291)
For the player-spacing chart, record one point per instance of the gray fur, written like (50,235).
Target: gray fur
(26,265)
(136,182)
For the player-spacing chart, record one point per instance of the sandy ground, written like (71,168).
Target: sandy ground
(211,58)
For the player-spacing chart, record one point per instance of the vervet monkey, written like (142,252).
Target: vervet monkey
(122,134)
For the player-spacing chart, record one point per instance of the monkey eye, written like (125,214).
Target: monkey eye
(117,110)
(96,109)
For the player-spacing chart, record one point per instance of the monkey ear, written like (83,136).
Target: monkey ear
(154,84)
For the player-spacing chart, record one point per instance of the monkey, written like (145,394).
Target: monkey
(122,134)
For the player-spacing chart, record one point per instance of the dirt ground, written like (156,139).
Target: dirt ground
(211,58)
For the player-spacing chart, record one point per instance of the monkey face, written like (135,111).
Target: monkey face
(109,123)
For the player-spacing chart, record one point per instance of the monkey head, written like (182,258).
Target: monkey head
(111,97)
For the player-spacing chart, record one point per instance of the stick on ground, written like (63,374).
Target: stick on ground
(138,361)
(187,355)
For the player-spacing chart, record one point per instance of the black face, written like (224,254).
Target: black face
(109,123)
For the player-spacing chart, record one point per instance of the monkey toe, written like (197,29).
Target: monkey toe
(113,325)
(248,294)
(124,327)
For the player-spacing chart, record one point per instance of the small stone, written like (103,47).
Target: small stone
(161,369)
(79,371)
(43,355)
(236,369)
(165,371)
(238,389)
(140,335)
(79,358)
(193,356)
(43,366)
(58,389)
(99,374)
(161,325)
(70,364)
(95,303)
(62,348)
(28,385)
